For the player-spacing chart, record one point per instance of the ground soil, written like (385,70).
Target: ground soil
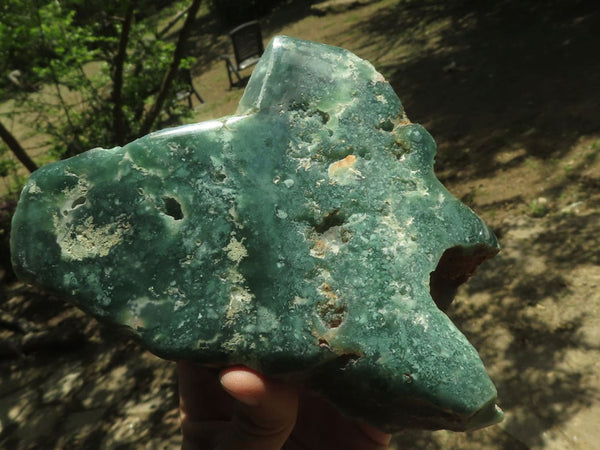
(510,92)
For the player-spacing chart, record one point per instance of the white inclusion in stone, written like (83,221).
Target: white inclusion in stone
(235,250)
(299,301)
(422,320)
(288,183)
(234,119)
(34,188)
(239,298)
(276,43)
(303,163)
(87,240)
(179,304)
(188,129)
(266,320)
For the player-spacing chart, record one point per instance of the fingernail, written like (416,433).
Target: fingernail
(242,397)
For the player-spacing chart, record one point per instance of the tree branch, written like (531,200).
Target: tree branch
(172,23)
(119,123)
(16,148)
(172,72)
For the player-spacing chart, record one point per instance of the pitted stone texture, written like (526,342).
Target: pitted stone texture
(306,237)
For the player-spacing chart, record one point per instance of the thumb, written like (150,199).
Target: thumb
(265,412)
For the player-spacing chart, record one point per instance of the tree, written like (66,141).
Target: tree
(178,55)
(106,75)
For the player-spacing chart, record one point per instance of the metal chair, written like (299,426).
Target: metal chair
(185,76)
(247,47)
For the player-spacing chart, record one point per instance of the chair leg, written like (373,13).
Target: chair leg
(190,80)
(198,96)
(237,74)
(229,67)
(231,70)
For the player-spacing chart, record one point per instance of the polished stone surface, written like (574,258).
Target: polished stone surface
(306,237)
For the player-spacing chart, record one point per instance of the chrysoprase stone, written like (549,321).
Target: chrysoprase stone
(306,237)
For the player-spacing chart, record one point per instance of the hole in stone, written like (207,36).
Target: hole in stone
(332,219)
(386,125)
(301,106)
(346,236)
(219,177)
(173,208)
(323,343)
(79,201)
(324,116)
(401,147)
(333,311)
(456,266)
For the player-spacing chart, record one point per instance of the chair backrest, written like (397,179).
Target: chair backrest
(247,41)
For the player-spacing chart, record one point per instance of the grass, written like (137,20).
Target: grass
(538,208)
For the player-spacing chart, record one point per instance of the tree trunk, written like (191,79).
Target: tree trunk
(119,122)
(172,72)
(16,148)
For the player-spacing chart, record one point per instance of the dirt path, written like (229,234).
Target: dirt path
(510,93)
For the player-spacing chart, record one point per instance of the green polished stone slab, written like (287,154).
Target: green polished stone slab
(306,237)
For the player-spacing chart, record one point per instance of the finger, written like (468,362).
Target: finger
(200,394)
(265,413)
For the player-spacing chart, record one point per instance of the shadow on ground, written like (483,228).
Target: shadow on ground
(85,387)
(502,73)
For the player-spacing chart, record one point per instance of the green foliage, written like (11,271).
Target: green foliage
(538,208)
(66,53)
(71,52)
(16,38)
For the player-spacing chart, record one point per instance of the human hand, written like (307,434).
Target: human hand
(240,409)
